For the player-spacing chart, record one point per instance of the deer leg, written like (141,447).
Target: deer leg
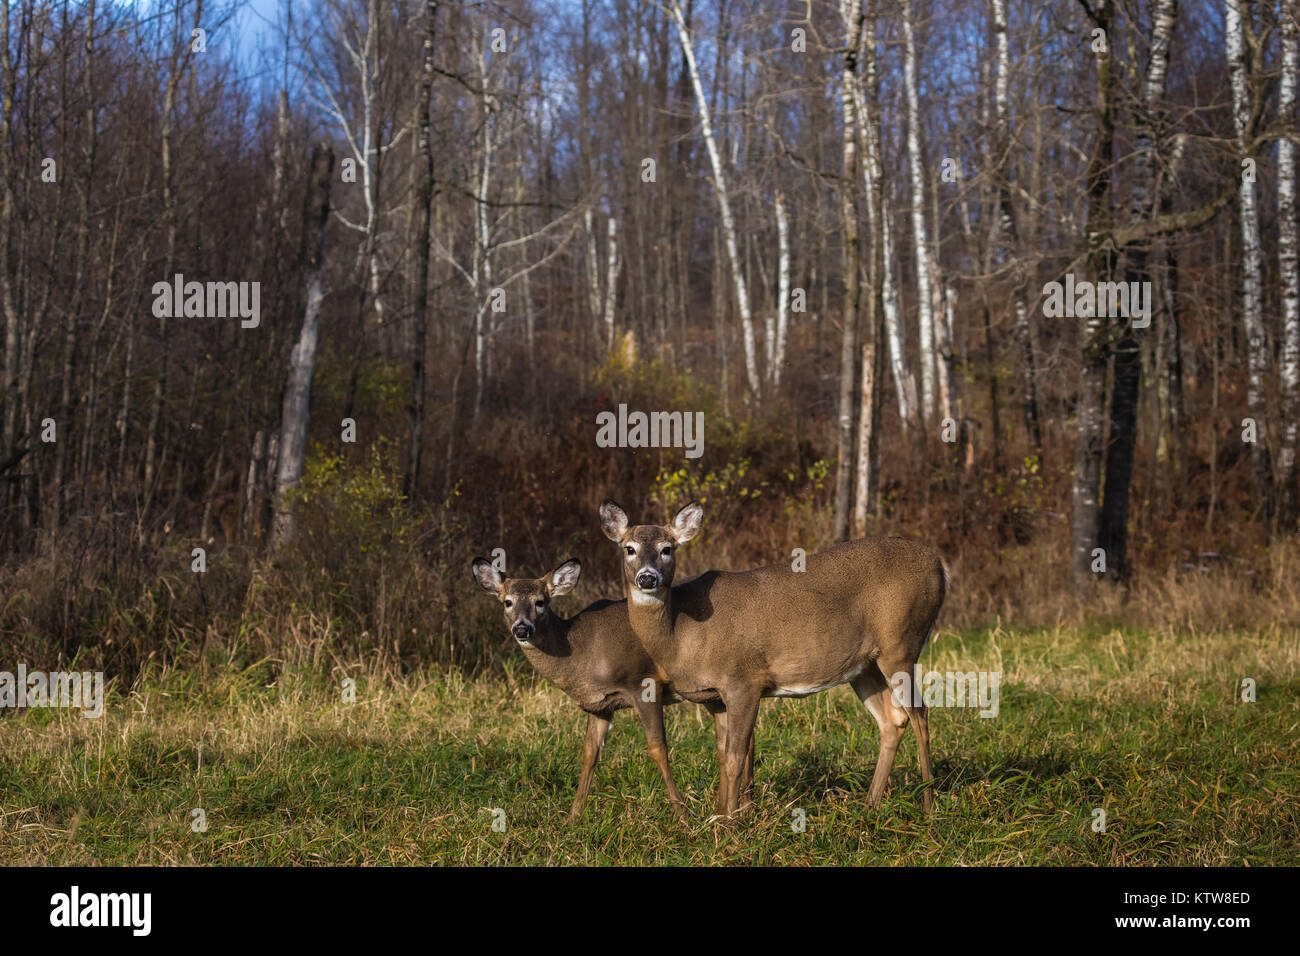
(719,713)
(747,781)
(877,695)
(720,732)
(742,713)
(597,731)
(656,742)
(919,716)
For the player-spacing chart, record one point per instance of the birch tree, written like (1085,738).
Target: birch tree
(424,171)
(1289,268)
(363,51)
(179,60)
(866,497)
(752,377)
(1006,219)
(1126,367)
(613,265)
(777,358)
(302,361)
(9,451)
(1100,262)
(851,14)
(920,235)
(1236,26)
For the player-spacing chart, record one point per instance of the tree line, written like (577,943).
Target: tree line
(976,236)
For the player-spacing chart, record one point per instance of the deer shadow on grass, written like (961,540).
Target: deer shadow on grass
(820,772)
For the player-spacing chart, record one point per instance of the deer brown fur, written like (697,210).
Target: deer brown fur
(860,613)
(593,657)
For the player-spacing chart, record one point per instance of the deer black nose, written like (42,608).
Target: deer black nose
(647,580)
(522,631)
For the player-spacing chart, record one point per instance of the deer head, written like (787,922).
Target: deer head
(526,601)
(649,550)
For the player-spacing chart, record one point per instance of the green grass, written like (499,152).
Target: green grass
(1148,726)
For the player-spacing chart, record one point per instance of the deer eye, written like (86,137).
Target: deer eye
(666,551)
(629,549)
(509,603)
(541,603)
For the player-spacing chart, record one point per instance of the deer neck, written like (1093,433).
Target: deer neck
(551,651)
(653,621)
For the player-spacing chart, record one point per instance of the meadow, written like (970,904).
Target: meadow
(1147,725)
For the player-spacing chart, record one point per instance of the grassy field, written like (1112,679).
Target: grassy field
(1148,726)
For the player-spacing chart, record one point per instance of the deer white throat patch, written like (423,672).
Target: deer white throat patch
(648,597)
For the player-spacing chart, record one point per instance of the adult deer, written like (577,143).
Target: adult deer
(593,657)
(859,613)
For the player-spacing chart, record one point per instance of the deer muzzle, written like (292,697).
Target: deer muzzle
(648,579)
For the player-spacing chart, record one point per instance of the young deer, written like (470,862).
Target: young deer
(861,612)
(593,657)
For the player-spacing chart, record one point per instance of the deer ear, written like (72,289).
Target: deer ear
(564,577)
(613,520)
(488,577)
(687,523)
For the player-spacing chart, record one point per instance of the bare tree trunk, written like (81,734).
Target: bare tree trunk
(613,265)
(944,316)
(422,242)
(1289,265)
(169,216)
(1113,528)
(1092,388)
(8,386)
(777,359)
(851,14)
(83,267)
(594,297)
(371,169)
(1007,225)
(883,288)
(752,377)
(482,275)
(920,235)
(302,362)
(909,407)
(866,498)
(250,525)
(1257,357)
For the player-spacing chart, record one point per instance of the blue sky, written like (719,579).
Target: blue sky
(253,22)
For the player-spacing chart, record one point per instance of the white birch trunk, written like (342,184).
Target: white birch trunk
(851,14)
(1289,266)
(724,202)
(1251,257)
(593,269)
(482,275)
(612,267)
(1007,225)
(904,380)
(302,361)
(873,175)
(920,235)
(943,322)
(777,359)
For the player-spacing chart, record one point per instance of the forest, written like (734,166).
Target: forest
(323,317)
(306,304)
